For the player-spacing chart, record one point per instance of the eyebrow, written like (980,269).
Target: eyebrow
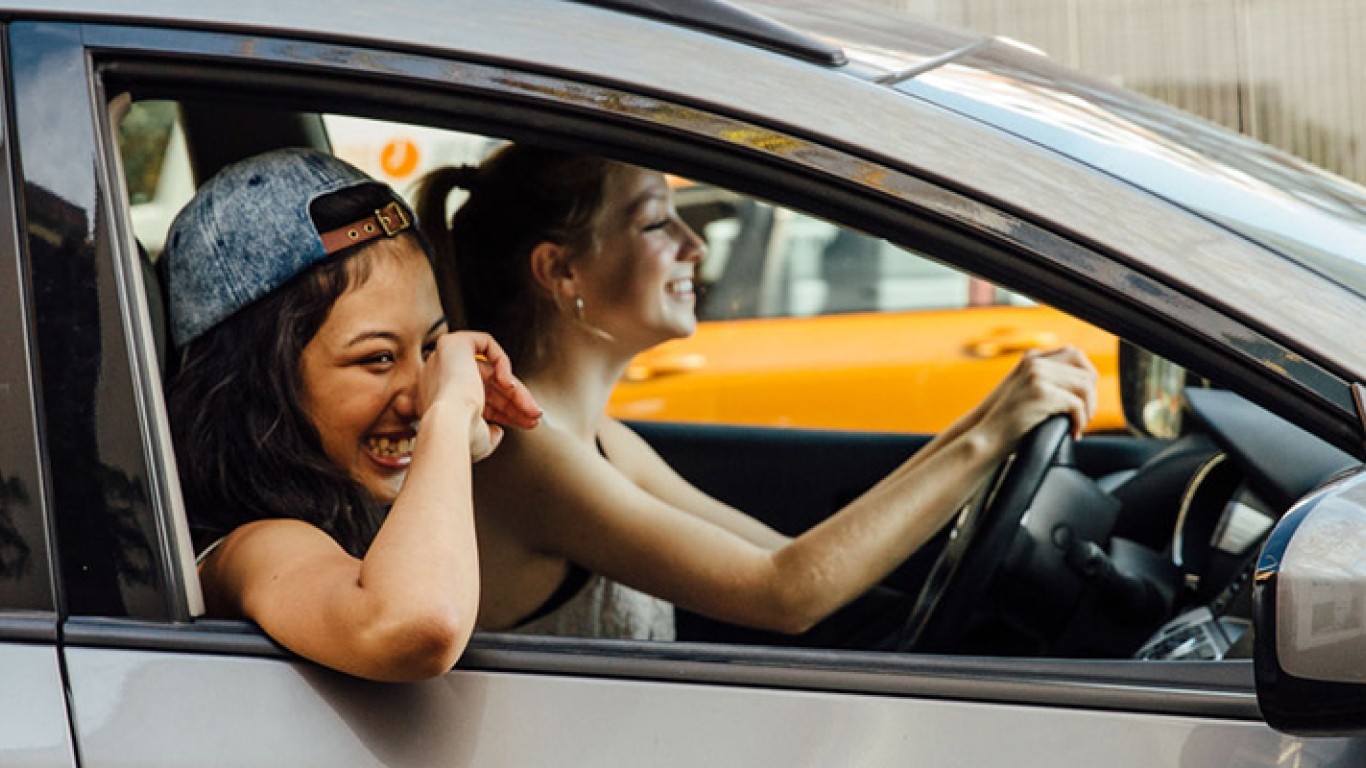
(389,335)
(640,200)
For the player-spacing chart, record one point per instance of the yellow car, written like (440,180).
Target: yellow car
(805,324)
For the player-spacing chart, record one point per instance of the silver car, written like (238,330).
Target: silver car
(1160,598)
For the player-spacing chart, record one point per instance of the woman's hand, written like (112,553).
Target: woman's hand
(1040,385)
(470,368)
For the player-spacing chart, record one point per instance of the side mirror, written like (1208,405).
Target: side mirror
(1310,615)
(1151,391)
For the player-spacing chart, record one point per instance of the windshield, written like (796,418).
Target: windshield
(1308,215)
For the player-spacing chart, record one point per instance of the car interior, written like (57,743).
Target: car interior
(1122,545)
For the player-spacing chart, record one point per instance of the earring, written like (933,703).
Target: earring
(587,326)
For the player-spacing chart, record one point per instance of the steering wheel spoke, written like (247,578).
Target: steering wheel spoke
(981,539)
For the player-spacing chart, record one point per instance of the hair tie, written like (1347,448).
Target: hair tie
(466,177)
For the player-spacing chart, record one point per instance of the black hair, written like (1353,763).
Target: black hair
(520,197)
(246,449)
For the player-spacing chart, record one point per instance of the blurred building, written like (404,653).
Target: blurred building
(1291,73)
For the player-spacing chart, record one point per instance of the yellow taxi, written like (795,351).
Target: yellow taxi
(806,324)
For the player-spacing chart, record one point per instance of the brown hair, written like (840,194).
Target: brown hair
(244,445)
(520,197)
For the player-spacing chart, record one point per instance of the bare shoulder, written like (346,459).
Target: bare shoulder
(530,468)
(629,453)
(262,552)
(538,449)
(546,485)
(262,538)
(616,433)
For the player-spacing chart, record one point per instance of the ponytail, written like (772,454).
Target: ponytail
(520,197)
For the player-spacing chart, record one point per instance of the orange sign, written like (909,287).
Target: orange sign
(399,157)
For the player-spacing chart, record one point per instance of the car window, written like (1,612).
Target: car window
(804,323)
(400,153)
(144,141)
(768,261)
(156,168)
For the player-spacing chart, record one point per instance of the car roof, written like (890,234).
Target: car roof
(920,80)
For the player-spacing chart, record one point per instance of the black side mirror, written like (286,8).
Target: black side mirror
(1152,392)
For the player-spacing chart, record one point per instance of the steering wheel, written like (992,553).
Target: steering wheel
(981,538)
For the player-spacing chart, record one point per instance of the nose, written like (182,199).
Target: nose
(405,401)
(693,248)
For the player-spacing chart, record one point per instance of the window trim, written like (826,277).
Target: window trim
(163,476)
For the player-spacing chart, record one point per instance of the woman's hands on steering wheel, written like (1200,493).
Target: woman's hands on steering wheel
(1016,418)
(1040,385)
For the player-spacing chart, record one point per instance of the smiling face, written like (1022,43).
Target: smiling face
(359,372)
(638,286)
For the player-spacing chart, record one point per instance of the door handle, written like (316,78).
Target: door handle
(1011,343)
(665,366)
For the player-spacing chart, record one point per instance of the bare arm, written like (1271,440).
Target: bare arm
(407,609)
(564,499)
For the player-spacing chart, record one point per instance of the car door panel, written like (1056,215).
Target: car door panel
(33,724)
(151,709)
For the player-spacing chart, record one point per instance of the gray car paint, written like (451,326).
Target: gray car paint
(33,726)
(151,709)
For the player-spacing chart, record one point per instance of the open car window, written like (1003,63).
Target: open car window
(839,343)
(804,323)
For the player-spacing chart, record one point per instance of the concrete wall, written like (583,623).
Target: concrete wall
(1288,72)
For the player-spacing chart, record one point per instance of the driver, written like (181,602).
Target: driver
(577,264)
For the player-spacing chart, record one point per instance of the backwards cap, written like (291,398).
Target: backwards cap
(248,231)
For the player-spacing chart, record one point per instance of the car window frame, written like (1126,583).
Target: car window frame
(635,126)
(28,606)
(109,526)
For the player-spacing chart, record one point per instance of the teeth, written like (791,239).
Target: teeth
(682,285)
(383,446)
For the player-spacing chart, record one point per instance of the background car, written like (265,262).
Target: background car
(807,324)
(1095,608)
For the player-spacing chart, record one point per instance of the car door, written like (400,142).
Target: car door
(152,683)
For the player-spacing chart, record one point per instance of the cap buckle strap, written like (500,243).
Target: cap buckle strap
(387,221)
(387,216)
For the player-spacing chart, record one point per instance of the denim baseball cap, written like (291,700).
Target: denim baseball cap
(248,231)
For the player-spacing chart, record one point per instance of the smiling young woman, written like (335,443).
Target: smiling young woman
(579,264)
(325,420)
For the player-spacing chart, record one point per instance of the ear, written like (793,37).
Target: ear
(552,270)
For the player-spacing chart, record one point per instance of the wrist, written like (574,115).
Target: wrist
(985,443)
(453,413)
